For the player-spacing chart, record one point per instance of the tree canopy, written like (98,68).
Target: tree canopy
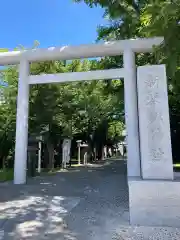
(132,19)
(75,110)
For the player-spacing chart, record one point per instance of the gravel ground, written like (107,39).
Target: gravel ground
(85,203)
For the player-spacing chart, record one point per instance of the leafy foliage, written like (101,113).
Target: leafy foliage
(76,110)
(131,19)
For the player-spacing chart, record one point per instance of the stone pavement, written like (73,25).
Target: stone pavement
(81,204)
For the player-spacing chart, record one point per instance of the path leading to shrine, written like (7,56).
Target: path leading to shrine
(84,203)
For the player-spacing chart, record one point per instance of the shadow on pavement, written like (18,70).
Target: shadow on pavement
(67,205)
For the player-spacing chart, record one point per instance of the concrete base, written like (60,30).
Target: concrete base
(154,202)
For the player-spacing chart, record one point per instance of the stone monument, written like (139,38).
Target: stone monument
(154,197)
(84,152)
(66,152)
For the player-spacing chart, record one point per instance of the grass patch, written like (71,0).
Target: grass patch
(6,175)
(177,165)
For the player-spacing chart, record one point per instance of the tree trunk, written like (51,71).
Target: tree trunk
(102,153)
(4,162)
(50,147)
(46,156)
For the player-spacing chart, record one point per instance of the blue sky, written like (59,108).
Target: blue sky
(51,22)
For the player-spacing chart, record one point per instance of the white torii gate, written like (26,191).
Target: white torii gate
(125,47)
(147,120)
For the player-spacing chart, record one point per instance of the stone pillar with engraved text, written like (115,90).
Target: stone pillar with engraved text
(155,142)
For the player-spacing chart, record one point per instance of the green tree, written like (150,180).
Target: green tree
(131,19)
(77,109)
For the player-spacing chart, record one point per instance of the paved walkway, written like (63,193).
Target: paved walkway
(82,204)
